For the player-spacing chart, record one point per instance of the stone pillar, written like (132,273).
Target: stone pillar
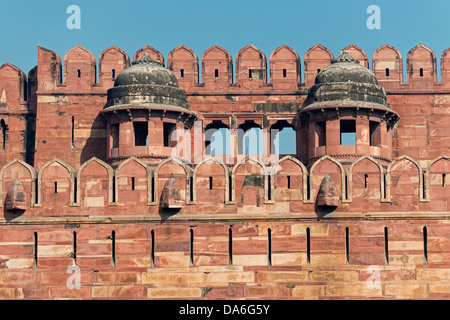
(126,138)
(333,136)
(155,132)
(362,135)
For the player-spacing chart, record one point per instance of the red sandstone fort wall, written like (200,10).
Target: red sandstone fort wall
(74,201)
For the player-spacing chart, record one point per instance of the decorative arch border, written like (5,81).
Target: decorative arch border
(149,173)
(388,177)
(188,173)
(274,168)
(226,176)
(110,179)
(72,175)
(33,178)
(343,176)
(350,177)
(266,179)
(427,174)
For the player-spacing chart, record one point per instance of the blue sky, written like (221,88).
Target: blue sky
(231,24)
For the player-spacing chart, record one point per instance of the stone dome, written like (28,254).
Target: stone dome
(146,71)
(146,83)
(345,69)
(346,80)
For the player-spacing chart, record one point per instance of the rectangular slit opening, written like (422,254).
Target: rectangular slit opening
(284,73)
(73,131)
(191,188)
(230,246)
(132,183)
(308,246)
(113,248)
(269,246)
(113,73)
(78,73)
(35,250)
(250,75)
(308,187)
(74,248)
(216,73)
(152,249)
(191,248)
(210,183)
(346,187)
(114,189)
(288,182)
(36,191)
(444,177)
(421,72)
(387,72)
(366,176)
(386,245)
(75,189)
(182,73)
(347,246)
(153,189)
(425,244)
(230,189)
(56,186)
(424,189)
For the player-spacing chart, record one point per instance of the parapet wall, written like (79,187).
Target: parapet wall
(405,186)
(249,69)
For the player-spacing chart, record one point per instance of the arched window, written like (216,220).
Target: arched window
(217,138)
(250,138)
(282,138)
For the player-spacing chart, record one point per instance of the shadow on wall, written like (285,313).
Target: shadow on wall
(10,215)
(96,142)
(322,211)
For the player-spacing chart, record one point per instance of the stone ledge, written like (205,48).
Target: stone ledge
(224,218)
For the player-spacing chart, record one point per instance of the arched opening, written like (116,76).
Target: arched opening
(250,138)
(217,138)
(282,138)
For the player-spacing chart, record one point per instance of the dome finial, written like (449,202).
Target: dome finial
(145,59)
(344,56)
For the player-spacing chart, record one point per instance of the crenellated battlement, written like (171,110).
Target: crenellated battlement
(250,68)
